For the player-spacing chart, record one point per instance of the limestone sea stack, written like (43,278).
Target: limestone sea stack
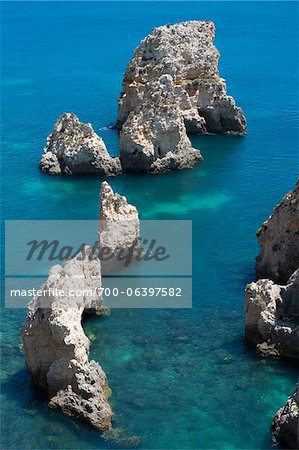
(272,309)
(56,348)
(55,345)
(74,148)
(153,137)
(285,424)
(279,240)
(119,228)
(172,87)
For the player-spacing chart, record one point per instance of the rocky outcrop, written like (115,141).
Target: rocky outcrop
(279,240)
(272,309)
(272,317)
(55,345)
(153,138)
(186,53)
(56,348)
(74,148)
(119,230)
(285,424)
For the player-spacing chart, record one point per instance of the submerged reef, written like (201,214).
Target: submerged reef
(74,148)
(272,309)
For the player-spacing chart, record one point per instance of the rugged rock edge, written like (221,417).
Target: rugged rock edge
(285,424)
(172,86)
(74,148)
(278,238)
(55,345)
(272,310)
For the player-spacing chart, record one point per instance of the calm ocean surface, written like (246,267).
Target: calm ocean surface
(180,379)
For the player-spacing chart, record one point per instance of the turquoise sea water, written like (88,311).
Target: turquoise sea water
(180,379)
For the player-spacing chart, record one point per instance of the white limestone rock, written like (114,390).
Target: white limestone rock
(186,52)
(119,228)
(56,348)
(272,317)
(153,138)
(74,148)
(279,240)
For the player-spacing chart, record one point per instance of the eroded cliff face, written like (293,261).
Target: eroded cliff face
(285,424)
(74,148)
(184,51)
(272,303)
(272,317)
(153,137)
(279,240)
(56,348)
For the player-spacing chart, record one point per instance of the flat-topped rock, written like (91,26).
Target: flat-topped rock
(74,148)
(279,240)
(184,51)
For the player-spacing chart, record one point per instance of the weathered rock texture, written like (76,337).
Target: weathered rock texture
(272,317)
(74,148)
(186,53)
(279,240)
(154,138)
(56,348)
(171,87)
(286,423)
(119,228)
(272,310)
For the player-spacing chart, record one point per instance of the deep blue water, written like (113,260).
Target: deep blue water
(180,379)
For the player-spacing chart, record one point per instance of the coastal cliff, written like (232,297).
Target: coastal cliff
(186,53)
(285,424)
(55,345)
(74,148)
(272,309)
